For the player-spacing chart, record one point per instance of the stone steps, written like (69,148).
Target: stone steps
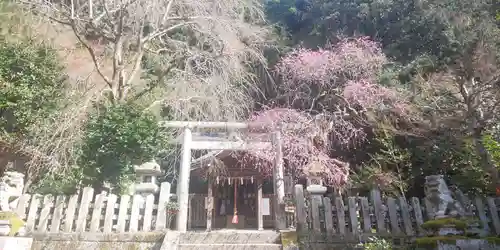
(226,246)
(230,237)
(222,240)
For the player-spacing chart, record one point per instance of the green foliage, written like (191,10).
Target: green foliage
(375,243)
(453,157)
(493,147)
(387,167)
(14,24)
(30,84)
(67,183)
(399,164)
(403,27)
(406,29)
(31,76)
(32,89)
(172,207)
(116,138)
(289,239)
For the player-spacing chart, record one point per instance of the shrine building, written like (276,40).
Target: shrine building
(226,193)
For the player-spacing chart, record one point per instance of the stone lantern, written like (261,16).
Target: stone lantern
(146,182)
(314,170)
(314,179)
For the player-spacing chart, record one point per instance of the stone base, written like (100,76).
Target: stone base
(15,243)
(98,241)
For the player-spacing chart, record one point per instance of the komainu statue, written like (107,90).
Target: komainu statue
(439,196)
(11,187)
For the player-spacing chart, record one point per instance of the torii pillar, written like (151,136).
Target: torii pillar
(183,184)
(279,182)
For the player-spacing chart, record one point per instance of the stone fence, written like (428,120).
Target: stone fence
(338,220)
(95,213)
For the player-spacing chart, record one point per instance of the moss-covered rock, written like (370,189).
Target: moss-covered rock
(435,225)
(432,242)
(289,239)
(493,240)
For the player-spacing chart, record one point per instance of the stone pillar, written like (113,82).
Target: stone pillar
(183,183)
(316,192)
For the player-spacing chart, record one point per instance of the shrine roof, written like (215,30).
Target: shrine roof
(230,159)
(208,157)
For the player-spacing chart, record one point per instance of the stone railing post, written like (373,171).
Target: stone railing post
(316,192)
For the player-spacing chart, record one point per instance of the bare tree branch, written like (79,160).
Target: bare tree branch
(216,27)
(92,55)
(194,56)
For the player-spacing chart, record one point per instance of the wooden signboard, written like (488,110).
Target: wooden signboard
(290,209)
(266,206)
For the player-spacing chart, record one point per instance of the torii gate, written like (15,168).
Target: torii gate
(197,142)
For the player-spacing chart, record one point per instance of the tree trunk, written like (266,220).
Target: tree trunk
(486,160)
(98,187)
(4,161)
(27,185)
(475,115)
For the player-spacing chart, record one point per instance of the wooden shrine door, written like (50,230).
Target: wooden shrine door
(223,199)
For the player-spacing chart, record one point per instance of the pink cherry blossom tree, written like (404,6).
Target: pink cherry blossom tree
(343,76)
(327,94)
(350,59)
(304,139)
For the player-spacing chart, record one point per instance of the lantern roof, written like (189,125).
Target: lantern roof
(151,168)
(314,168)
